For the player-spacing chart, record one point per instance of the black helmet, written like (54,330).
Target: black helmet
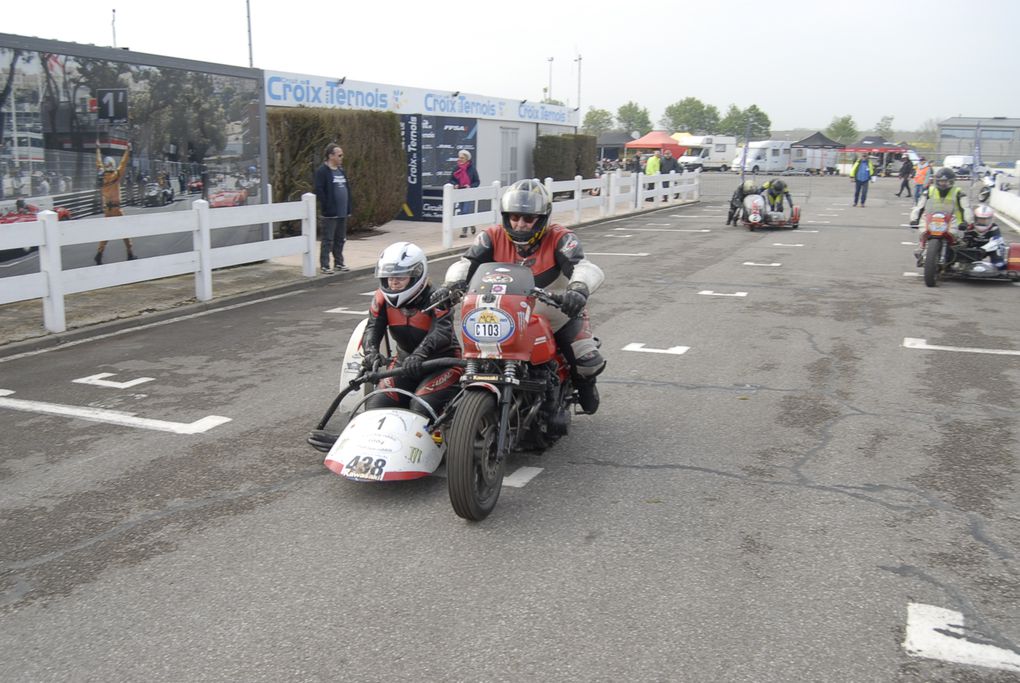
(777,187)
(526,198)
(945,178)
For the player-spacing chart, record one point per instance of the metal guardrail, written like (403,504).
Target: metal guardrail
(52,283)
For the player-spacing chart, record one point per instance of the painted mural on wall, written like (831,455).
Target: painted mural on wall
(185,134)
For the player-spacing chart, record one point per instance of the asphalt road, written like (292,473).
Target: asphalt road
(780,501)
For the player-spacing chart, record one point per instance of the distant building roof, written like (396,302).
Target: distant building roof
(983,120)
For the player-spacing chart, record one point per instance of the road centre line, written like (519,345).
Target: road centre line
(661,230)
(937,633)
(158,323)
(111,416)
(709,292)
(521,476)
(640,347)
(922,344)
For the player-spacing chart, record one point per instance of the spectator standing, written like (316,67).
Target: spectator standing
(668,165)
(652,167)
(44,186)
(861,175)
(110,184)
(465,175)
(922,177)
(906,175)
(634,165)
(333,192)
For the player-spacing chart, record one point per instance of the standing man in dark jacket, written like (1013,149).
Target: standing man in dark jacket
(668,164)
(333,192)
(906,175)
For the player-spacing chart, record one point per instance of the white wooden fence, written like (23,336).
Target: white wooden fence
(612,193)
(52,282)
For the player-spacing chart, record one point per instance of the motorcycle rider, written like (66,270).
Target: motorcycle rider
(984,231)
(737,200)
(397,306)
(774,192)
(946,198)
(557,260)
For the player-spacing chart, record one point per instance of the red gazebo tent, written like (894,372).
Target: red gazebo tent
(657,139)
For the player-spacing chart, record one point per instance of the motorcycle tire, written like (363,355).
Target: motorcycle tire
(474,472)
(932,251)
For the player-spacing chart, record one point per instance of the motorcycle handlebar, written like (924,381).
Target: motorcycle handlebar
(377,375)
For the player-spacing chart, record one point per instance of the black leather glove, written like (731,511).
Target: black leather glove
(412,365)
(371,358)
(448,294)
(574,299)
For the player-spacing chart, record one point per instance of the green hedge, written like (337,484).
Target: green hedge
(561,157)
(374,158)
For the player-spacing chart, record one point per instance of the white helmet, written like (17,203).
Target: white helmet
(402,259)
(108,164)
(984,217)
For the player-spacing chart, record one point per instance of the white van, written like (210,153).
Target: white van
(962,164)
(764,156)
(707,152)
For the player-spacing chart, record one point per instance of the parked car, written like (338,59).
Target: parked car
(228,198)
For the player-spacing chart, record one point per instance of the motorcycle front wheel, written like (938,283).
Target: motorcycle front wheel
(474,472)
(932,252)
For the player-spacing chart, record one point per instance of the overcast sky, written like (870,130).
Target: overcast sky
(802,62)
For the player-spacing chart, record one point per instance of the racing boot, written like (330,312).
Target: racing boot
(322,440)
(919,255)
(587,395)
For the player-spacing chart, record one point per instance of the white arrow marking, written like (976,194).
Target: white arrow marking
(912,343)
(938,633)
(343,309)
(780,244)
(100,381)
(521,477)
(766,265)
(709,292)
(675,350)
(615,253)
(111,416)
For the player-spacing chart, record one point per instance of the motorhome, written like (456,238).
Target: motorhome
(814,160)
(764,156)
(708,152)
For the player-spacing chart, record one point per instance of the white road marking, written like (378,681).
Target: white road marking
(612,235)
(819,222)
(909,244)
(658,225)
(911,275)
(613,253)
(765,265)
(938,633)
(660,230)
(912,343)
(904,225)
(111,416)
(521,477)
(828,215)
(372,293)
(675,350)
(344,309)
(801,232)
(780,244)
(709,292)
(101,381)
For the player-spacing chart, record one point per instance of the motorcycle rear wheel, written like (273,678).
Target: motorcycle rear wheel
(474,473)
(932,251)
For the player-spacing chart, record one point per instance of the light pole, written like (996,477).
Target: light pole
(578,60)
(549,90)
(251,62)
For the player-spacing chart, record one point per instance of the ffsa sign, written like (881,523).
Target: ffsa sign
(112,104)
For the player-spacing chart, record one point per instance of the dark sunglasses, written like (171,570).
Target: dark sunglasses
(527,218)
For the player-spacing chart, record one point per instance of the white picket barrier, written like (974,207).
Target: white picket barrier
(52,283)
(612,193)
